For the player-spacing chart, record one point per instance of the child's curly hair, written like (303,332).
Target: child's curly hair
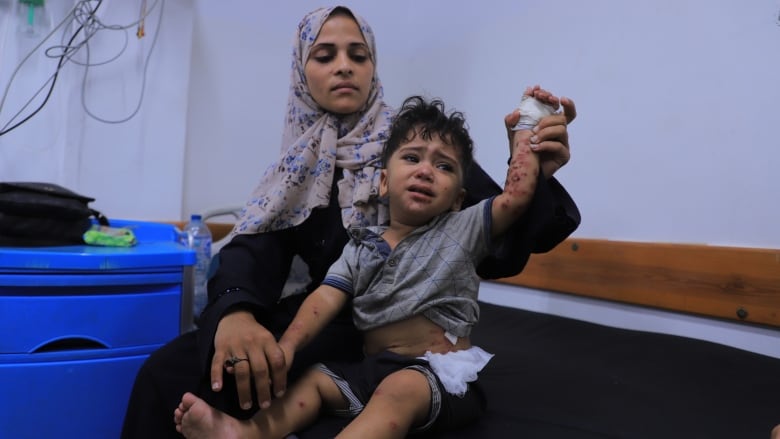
(420,117)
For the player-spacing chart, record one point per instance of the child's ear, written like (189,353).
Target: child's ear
(383,183)
(459,200)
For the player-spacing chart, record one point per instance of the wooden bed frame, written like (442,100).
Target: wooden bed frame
(734,283)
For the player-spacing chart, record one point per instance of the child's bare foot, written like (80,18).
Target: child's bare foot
(195,419)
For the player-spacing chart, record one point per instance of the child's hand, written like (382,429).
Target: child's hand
(289,356)
(544,96)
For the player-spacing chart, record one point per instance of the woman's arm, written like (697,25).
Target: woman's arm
(550,218)
(242,315)
(250,274)
(552,214)
(248,281)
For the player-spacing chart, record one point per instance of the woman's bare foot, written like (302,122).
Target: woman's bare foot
(195,419)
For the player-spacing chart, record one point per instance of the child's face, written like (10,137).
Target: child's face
(422,179)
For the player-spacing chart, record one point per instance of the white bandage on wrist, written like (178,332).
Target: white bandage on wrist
(531,112)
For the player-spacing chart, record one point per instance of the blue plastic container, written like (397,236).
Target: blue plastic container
(77,322)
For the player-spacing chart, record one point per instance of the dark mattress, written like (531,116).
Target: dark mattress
(555,377)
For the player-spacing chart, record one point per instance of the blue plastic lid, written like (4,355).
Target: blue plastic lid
(157,247)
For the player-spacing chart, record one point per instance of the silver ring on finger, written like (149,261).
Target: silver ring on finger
(233,360)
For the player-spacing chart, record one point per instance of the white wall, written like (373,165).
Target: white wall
(134,169)
(675,140)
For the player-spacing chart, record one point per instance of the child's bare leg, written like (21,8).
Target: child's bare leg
(401,401)
(194,419)
(299,407)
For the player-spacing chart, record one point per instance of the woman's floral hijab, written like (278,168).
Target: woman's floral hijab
(316,142)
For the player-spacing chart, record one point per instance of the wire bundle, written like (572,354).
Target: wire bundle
(86,24)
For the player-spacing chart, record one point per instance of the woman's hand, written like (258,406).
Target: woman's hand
(550,136)
(239,336)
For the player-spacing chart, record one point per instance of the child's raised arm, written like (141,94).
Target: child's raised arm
(523,169)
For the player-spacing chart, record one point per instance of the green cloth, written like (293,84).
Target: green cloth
(110,236)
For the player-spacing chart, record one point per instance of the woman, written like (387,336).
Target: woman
(326,180)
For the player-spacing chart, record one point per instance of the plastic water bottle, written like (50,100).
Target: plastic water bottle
(198,237)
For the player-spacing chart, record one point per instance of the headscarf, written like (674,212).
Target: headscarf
(314,143)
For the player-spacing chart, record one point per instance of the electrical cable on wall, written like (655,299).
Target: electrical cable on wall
(84,14)
(143,77)
(52,79)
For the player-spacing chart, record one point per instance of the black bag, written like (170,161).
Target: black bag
(44,214)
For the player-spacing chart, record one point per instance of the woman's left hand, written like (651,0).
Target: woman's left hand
(551,137)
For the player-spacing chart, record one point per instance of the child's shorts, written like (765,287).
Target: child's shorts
(358,381)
